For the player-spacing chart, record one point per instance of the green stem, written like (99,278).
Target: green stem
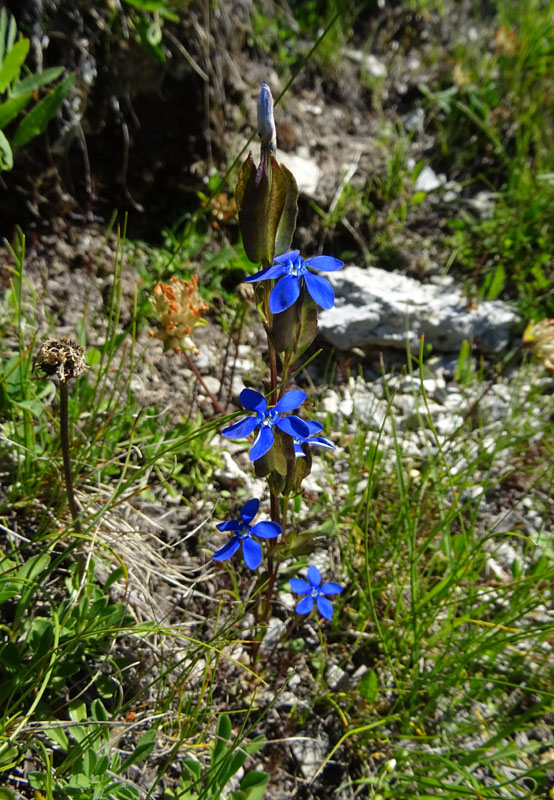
(64,439)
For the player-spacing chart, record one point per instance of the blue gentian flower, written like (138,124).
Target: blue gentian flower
(266,418)
(293,271)
(318,441)
(243,532)
(314,590)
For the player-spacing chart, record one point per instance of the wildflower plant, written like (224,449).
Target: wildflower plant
(288,293)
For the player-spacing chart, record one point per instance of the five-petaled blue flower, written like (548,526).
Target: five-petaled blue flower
(314,427)
(314,590)
(243,532)
(293,272)
(266,418)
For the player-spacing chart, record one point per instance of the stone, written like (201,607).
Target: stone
(374,307)
(305,170)
(428,181)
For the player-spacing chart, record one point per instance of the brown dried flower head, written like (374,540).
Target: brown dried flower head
(539,337)
(180,308)
(62,358)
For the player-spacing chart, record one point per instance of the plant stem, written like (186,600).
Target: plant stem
(64,439)
(215,402)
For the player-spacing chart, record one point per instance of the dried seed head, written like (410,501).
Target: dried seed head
(62,358)
(539,337)
(180,308)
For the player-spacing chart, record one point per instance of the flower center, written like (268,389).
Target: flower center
(268,418)
(296,267)
(244,531)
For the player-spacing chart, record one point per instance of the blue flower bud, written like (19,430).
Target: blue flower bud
(266,123)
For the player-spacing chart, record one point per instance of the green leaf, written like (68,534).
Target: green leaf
(287,223)
(260,197)
(98,711)
(223,731)
(13,62)
(33,567)
(11,108)
(417,198)
(146,5)
(496,283)
(77,711)
(143,749)
(369,686)
(38,118)
(34,82)
(252,786)
(3,28)
(6,155)
(58,736)
(6,794)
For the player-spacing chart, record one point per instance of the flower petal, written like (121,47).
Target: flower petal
(293,425)
(263,443)
(298,452)
(249,510)
(324,607)
(330,588)
(269,273)
(252,552)
(253,401)
(319,289)
(305,605)
(299,586)
(319,441)
(289,256)
(284,294)
(240,429)
(266,530)
(314,577)
(325,263)
(230,525)
(313,426)
(290,401)
(227,550)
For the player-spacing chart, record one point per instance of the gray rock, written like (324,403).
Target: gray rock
(378,308)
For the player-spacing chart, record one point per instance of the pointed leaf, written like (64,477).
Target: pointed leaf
(144,747)
(222,734)
(11,108)
(252,786)
(38,118)
(34,82)
(260,197)
(6,155)
(287,223)
(13,62)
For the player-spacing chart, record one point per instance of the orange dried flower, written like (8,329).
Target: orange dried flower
(505,41)
(180,308)
(539,337)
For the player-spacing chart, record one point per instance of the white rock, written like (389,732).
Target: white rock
(428,180)
(378,308)
(310,754)
(305,170)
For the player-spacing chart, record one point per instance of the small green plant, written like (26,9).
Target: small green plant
(227,757)
(91,767)
(17,94)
